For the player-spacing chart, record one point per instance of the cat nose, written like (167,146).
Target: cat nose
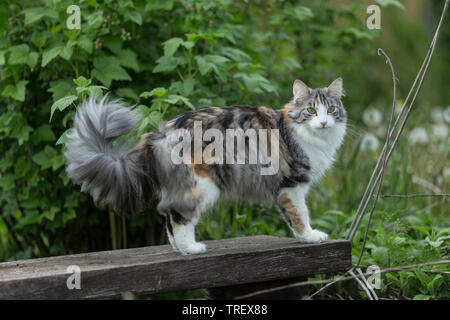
(323,123)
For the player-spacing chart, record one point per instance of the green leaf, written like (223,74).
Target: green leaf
(127,93)
(39,38)
(62,104)
(35,14)
(436,283)
(381,254)
(291,64)
(235,54)
(94,21)
(60,88)
(18,54)
(134,16)
(7,182)
(253,81)
(67,51)
(114,43)
(16,92)
(399,240)
(21,54)
(50,214)
(45,157)
(85,43)
(159,92)
(423,278)
(107,69)
(188,85)
(50,54)
(385,3)
(301,13)
(63,138)
(7,161)
(96,91)
(45,133)
(21,167)
(126,4)
(82,82)
(57,162)
(422,297)
(277,18)
(4,16)
(171,45)
(358,34)
(212,62)
(128,58)
(173,99)
(434,244)
(216,59)
(42,159)
(69,215)
(157,5)
(33,59)
(21,132)
(188,44)
(167,64)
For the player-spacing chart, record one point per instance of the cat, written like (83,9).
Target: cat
(309,130)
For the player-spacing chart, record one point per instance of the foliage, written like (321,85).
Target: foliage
(167,57)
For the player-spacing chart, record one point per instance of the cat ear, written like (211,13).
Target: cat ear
(300,89)
(336,89)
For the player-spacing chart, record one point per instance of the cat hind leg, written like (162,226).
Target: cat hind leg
(183,216)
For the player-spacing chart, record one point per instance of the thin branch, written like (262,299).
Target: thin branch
(436,271)
(383,156)
(361,284)
(423,195)
(412,266)
(372,291)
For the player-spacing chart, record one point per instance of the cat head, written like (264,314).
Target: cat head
(318,109)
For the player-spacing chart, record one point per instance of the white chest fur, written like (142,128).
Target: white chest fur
(320,147)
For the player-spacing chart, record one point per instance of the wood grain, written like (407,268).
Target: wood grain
(157,269)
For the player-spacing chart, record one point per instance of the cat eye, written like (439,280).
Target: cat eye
(311,110)
(331,109)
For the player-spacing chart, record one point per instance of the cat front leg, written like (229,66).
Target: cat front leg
(293,206)
(184,238)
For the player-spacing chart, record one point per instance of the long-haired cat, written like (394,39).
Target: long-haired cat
(310,128)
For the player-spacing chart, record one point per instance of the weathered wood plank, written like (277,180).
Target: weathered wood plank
(158,269)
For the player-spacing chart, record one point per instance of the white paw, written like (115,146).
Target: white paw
(194,248)
(312,236)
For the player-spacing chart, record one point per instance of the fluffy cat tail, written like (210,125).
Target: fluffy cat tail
(111,171)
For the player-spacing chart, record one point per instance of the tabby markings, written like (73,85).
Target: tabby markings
(252,147)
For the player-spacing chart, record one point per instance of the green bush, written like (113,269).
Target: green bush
(164,56)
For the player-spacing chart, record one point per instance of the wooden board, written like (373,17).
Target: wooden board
(157,269)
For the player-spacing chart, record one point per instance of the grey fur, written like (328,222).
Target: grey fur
(110,172)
